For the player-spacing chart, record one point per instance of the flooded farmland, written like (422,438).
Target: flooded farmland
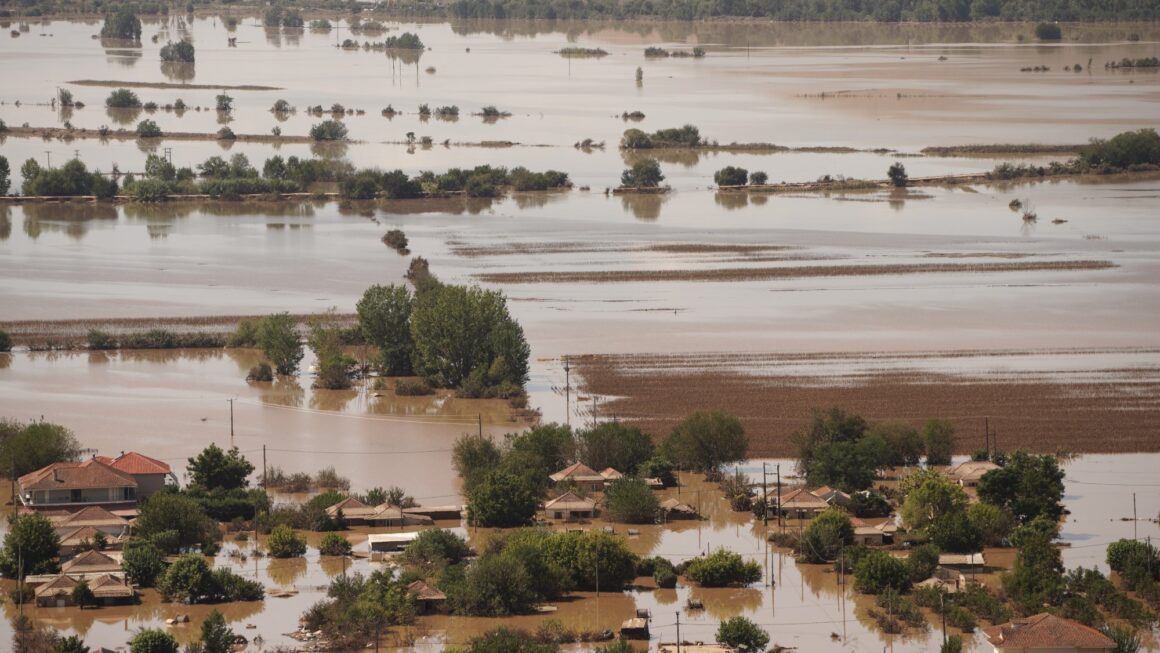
(934,301)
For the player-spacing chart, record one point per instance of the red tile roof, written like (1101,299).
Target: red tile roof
(577,472)
(91,516)
(1046,631)
(88,474)
(132,462)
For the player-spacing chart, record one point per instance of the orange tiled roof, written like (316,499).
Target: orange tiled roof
(84,475)
(577,472)
(1046,631)
(132,462)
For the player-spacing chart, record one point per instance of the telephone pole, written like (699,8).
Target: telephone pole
(765,495)
(231,400)
(567,392)
(479,420)
(780,523)
(678,631)
(265,470)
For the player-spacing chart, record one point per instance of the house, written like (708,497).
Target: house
(91,562)
(388,515)
(583,476)
(832,496)
(152,475)
(83,538)
(873,535)
(969,474)
(611,475)
(111,589)
(427,599)
(802,504)
(1046,633)
(56,593)
(437,512)
(353,510)
(91,517)
(71,486)
(962,561)
(569,506)
(674,509)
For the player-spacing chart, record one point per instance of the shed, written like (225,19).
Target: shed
(674,509)
(962,561)
(635,628)
(427,599)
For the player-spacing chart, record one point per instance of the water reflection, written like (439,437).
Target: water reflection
(72,218)
(731,200)
(5,222)
(644,206)
(537,200)
(125,116)
(178,71)
(286,571)
(682,157)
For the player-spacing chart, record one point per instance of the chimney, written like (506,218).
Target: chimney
(56,475)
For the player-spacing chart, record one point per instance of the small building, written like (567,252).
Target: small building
(71,486)
(388,515)
(802,504)
(437,512)
(962,562)
(427,599)
(635,628)
(152,475)
(77,539)
(111,589)
(1046,633)
(569,506)
(611,475)
(353,511)
(674,509)
(833,496)
(583,476)
(388,542)
(56,592)
(94,517)
(91,562)
(873,535)
(969,474)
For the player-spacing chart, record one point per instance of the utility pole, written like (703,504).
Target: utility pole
(942,609)
(765,495)
(987,435)
(780,523)
(1134,535)
(231,400)
(48,159)
(678,631)
(479,419)
(567,392)
(265,471)
(594,410)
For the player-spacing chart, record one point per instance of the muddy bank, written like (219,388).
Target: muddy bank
(1027,149)
(113,83)
(786,272)
(1097,411)
(128,135)
(71,334)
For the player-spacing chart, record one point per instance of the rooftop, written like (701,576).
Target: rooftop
(132,462)
(1044,631)
(577,472)
(89,474)
(570,501)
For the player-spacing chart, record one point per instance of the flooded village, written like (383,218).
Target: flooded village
(533,326)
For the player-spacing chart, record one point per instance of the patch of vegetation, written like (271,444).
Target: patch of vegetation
(328,130)
(723,568)
(122,98)
(645,173)
(123,24)
(70,180)
(580,53)
(181,51)
(1048,32)
(686,136)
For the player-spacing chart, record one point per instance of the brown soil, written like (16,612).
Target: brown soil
(1118,414)
(113,83)
(75,332)
(1000,150)
(128,135)
(785,272)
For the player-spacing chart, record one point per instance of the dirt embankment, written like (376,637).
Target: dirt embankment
(1119,413)
(114,83)
(127,135)
(784,272)
(74,333)
(1001,149)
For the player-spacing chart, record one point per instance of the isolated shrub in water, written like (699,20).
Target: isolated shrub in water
(122,98)
(148,129)
(285,543)
(731,176)
(897,174)
(758,178)
(328,130)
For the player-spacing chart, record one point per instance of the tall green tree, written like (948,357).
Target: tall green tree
(30,546)
(614,444)
(384,315)
(216,635)
(143,561)
(5,175)
(174,521)
(742,634)
(123,24)
(834,425)
(28,447)
(474,457)
(279,342)
(153,640)
(934,497)
(553,445)
(826,535)
(502,500)
(214,468)
(325,340)
(631,501)
(939,437)
(707,441)
(1029,486)
(903,441)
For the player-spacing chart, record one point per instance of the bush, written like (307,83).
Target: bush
(741,633)
(285,543)
(122,98)
(645,173)
(153,640)
(922,562)
(731,176)
(122,25)
(101,340)
(334,544)
(879,571)
(148,129)
(262,373)
(143,562)
(149,191)
(631,501)
(226,134)
(182,51)
(897,175)
(1123,150)
(1048,32)
(395,239)
(328,130)
(758,178)
(723,568)
(826,535)
(412,388)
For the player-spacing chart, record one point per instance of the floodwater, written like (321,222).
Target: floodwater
(799,605)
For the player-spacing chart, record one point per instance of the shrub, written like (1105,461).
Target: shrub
(758,178)
(1048,32)
(143,562)
(226,134)
(723,568)
(5,341)
(182,51)
(281,106)
(101,340)
(153,640)
(148,129)
(826,535)
(328,130)
(395,239)
(897,175)
(334,544)
(878,571)
(122,25)
(731,176)
(741,633)
(262,372)
(631,500)
(922,562)
(1123,150)
(412,388)
(645,173)
(149,191)
(122,98)
(285,543)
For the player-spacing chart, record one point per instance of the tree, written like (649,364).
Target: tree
(333,544)
(922,562)
(30,546)
(758,178)
(723,568)
(954,644)
(153,640)
(122,25)
(553,446)
(903,441)
(992,523)
(897,175)
(279,342)
(121,98)
(953,532)
(850,466)
(474,456)
(613,444)
(502,500)
(28,447)
(436,548)
(82,594)
(1048,32)
(494,586)
(328,130)
(939,436)
(70,644)
(706,441)
(384,315)
(143,562)
(934,497)
(826,535)
(180,52)
(741,633)
(187,579)
(174,521)
(1029,486)
(285,543)
(214,468)
(1127,639)
(878,571)
(224,103)
(825,428)
(325,340)
(645,173)
(731,176)
(505,640)
(1037,576)
(216,635)
(5,175)
(631,501)
(148,129)
(465,336)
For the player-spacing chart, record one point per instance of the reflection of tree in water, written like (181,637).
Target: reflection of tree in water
(284,391)
(725,602)
(665,596)
(5,222)
(99,358)
(116,53)
(178,71)
(293,36)
(70,219)
(198,355)
(537,200)
(683,157)
(328,149)
(408,57)
(335,400)
(274,36)
(225,144)
(644,206)
(124,116)
(286,571)
(731,201)
(5,360)
(64,113)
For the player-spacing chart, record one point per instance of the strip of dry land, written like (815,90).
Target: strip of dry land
(783,272)
(1119,412)
(116,83)
(74,333)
